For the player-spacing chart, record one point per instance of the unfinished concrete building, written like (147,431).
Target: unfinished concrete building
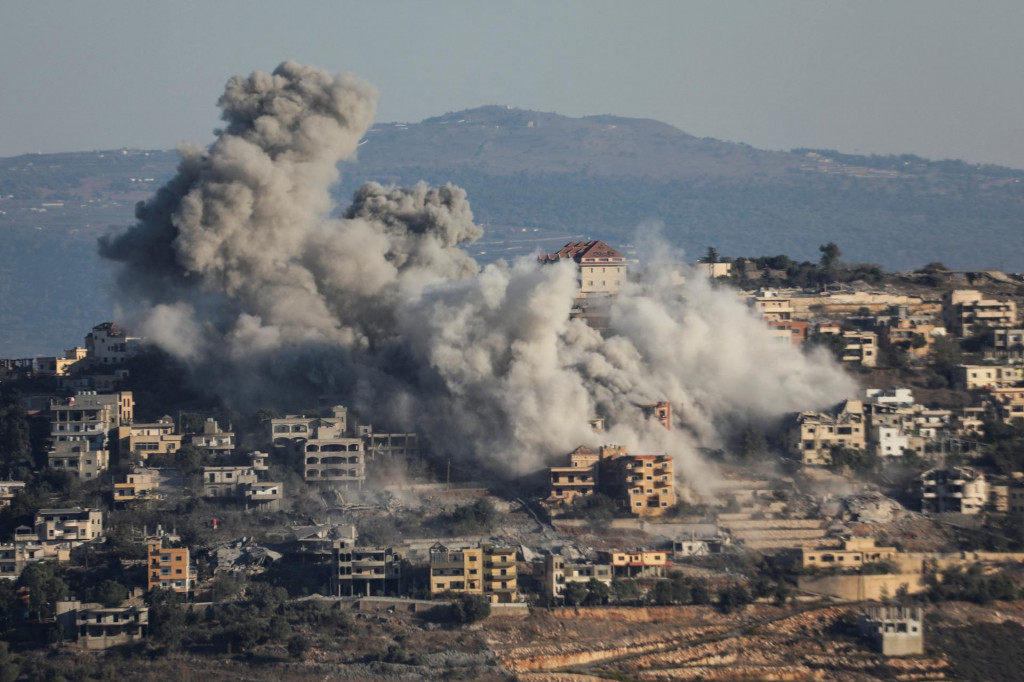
(82,429)
(818,432)
(893,630)
(643,484)
(556,572)
(960,490)
(364,570)
(487,569)
(967,310)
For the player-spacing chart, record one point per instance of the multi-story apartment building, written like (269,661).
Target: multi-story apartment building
(138,484)
(487,569)
(966,310)
(1008,343)
(771,306)
(893,630)
(8,489)
(860,348)
(214,442)
(168,568)
(579,479)
(103,628)
(970,377)
(818,432)
(640,563)
(364,570)
(15,556)
(227,481)
(328,453)
(601,270)
(109,344)
(145,439)
(961,490)
(1008,401)
(557,572)
(81,427)
(645,484)
(75,525)
(913,336)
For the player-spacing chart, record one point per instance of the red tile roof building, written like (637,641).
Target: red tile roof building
(601,269)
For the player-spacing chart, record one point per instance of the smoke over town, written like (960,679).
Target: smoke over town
(237,268)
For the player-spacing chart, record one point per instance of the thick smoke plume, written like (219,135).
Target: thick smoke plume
(237,268)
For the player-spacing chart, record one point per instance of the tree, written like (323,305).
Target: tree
(575,593)
(45,588)
(9,664)
(166,618)
(625,591)
(110,593)
(712,255)
(15,442)
(470,608)
(598,593)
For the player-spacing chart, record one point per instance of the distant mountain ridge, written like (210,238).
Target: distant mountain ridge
(536,180)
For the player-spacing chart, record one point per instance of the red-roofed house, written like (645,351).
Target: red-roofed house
(601,268)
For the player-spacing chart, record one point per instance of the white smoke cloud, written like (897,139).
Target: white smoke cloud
(236,268)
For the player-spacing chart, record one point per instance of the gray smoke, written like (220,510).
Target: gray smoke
(236,268)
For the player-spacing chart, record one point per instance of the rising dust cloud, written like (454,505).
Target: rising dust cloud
(236,268)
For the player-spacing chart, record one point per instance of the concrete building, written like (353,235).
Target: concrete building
(860,348)
(961,490)
(168,568)
(772,307)
(263,495)
(556,572)
(793,331)
(660,411)
(601,270)
(227,481)
(488,570)
(893,630)
(643,484)
(970,377)
(15,556)
(144,439)
(138,484)
(97,628)
(854,554)
(75,525)
(82,429)
(967,310)
(8,489)
(214,442)
(329,454)
(818,432)
(109,344)
(909,334)
(1009,402)
(900,397)
(640,563)
(1008,343)
(364,570)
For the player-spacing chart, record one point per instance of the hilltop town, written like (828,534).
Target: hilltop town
(883,536)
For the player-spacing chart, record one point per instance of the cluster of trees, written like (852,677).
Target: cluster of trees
(957,584)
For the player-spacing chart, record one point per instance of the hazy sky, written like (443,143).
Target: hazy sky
(939,79)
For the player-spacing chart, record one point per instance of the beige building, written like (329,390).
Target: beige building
(771,306)
(1008,343)
(488,569)
(109,344)
(640,563)
(364,570)
(902,332)
(99,628)
(557,572)
(15,556)
(970,377)
(214,442)
(82,428)
(601,269)
(856,552)
(138,484)
(75,525)
(966,309)
(818,432)
(145,439)
(643,484)
(860,348)
(961,490)
(8,489)
(227,481)
(893,630)
(329,454)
